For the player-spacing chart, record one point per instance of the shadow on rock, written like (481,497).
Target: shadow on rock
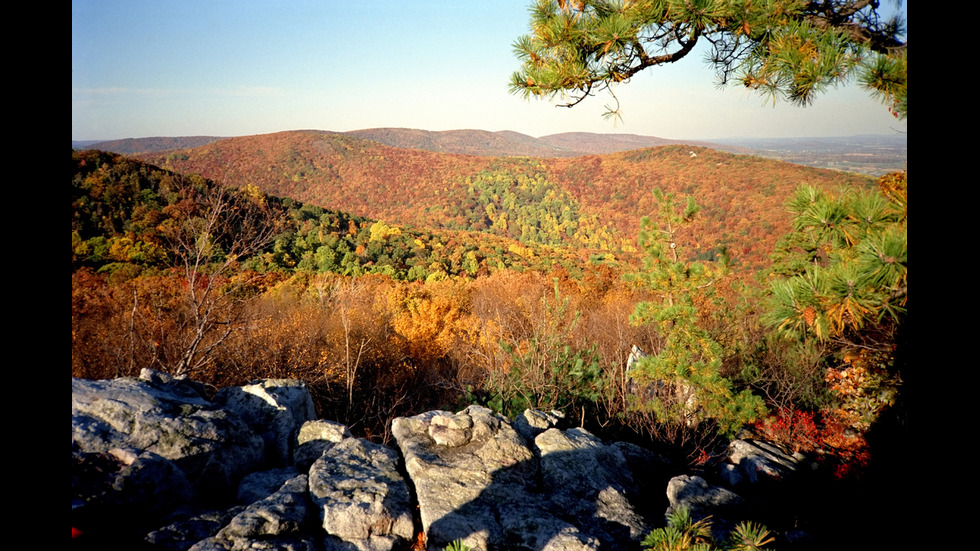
(481,481)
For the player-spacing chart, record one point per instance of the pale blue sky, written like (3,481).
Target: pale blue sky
(144,68)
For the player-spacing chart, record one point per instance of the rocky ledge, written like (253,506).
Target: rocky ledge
(156,464)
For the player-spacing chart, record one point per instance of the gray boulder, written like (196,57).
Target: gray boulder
(131,487)
(532,422)
(464,466)
(275,409)
(182,534)
(262,484)
(480,481)
(145,447)
(286,520)
(362,499)
(170,419)
(757,461)
(703,500)
(591,482)
(314,438)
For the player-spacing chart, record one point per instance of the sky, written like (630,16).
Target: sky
(145,68)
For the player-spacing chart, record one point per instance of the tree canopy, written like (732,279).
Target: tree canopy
(787,49)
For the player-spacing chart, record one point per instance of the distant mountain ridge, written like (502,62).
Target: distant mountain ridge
(507,143)
(598,144)
(129,146)
(483,143)
(869,154)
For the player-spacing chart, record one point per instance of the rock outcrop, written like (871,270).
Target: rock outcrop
(361,496)
(755,462)
(156,463)
(483,482)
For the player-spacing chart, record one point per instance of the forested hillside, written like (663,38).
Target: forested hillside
(467,142)
(510,282)
(174,272)
(743,198)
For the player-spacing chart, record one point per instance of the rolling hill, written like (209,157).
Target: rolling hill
(466,142)
(872,154)
(129,146)
(603,197)
(507,143)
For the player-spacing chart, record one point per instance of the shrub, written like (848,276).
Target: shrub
(682,533)
(792,428)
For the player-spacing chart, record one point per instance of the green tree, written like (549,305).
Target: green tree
(788,49)
(855,278)
(682,382)
(851,295)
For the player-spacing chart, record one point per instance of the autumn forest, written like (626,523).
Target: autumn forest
(393,280)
